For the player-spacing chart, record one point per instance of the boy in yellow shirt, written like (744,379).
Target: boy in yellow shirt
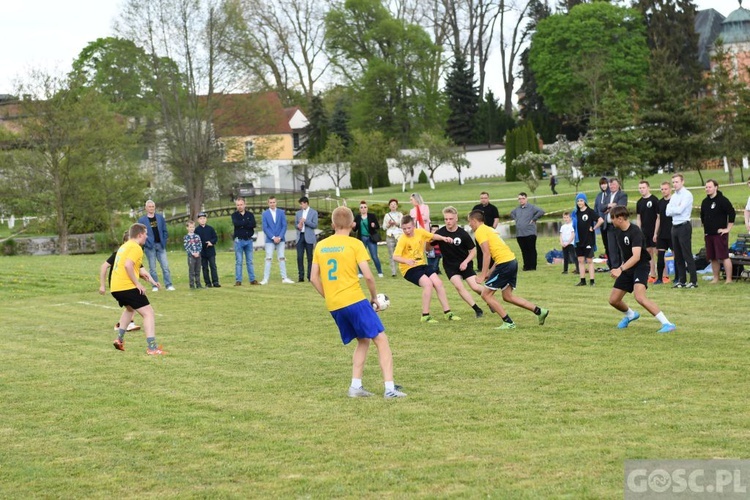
(129,292)
(409,253)
(336,261)
(502,274)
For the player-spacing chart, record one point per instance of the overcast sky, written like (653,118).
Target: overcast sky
(49,34)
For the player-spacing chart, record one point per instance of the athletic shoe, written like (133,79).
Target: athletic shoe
(359,392)
(666,279)
(625,321)
(252,282)
(669,327)
(395,393)
(132,327)
(652,279)
(264,282)
(287,281)
(592,283)
(691,285)
(155,289)
(216,285)
(119,344)
(170,288)
(156,352)
(506,326)
(658,282)
(581,283)
(237,283)
(543,315)
(428,319)
(677,284)
(452,317)
(380,275)
(479,313)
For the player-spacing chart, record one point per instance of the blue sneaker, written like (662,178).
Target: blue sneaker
(669,327)
(624,322)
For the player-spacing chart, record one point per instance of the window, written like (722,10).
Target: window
(295,138)
(249,150)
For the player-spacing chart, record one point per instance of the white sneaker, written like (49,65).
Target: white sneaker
(380,275)
(264,282)
(395,393)
(287,281)
(155,289)
(359,392)
(132,327)
(170,288)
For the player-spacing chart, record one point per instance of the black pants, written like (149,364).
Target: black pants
(569,255)
(528,251)
(682,241)
(302,249)
(210,263)
(605,231)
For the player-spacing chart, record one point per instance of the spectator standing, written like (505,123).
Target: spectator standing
(366,226)
(244,230)
(392,225)
(717,217)
(680,208)
(567,242)
(193,246)
(420,213)
(155,247)
(209,238)
(647,216)
(274,228)
(600,207)
(617,198)
(553,183)
(526,215)
(663,234)
(747,211)
(585,223)
(491,218)
(306,221)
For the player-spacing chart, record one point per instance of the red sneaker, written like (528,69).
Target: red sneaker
(652,279)
(666,279)
(156,352)
(119,344)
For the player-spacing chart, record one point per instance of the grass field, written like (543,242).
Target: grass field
(251,401)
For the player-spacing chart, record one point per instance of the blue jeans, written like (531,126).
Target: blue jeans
(243,247)
(152,254)
(372,247)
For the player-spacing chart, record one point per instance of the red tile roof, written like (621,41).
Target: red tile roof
(240,115)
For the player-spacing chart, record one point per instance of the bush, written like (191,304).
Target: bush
(422,179)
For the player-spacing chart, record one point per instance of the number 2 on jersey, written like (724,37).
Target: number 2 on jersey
(332,271)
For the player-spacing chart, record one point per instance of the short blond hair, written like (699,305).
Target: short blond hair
(450,210)
(342,218)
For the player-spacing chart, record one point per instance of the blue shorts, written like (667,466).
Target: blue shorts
(357,321)
(414,274)
(504,275)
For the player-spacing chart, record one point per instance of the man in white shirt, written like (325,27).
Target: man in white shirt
(680,208)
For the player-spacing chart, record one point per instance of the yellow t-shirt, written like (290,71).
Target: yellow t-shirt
(130,250)
(499,250)
(338,258)
(412,247)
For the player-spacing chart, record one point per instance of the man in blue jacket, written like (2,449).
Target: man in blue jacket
(156,244)
(274,228)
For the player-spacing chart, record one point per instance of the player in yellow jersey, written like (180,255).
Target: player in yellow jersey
(500,267)
(129,292)
(336,261)
(409,253)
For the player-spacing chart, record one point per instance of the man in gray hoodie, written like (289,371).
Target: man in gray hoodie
(526,215)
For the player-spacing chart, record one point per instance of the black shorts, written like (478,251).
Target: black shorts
(664,243)
(587,252)
(132,298)
(628,279)
(452,271)
(414,274)
(650,243)
(504,275)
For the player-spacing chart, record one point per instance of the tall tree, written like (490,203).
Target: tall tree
(182,38)
(434,151)
(576,56)
(461,94)
(388,63)
(513,37)
(491,122)
(334,161)
(74,158)
(369,153)
(278,45)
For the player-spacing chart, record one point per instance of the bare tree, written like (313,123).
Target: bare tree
(182,38)
(513,36)
(279,44)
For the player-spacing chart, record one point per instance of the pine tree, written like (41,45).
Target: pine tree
(462,96)
(318,129)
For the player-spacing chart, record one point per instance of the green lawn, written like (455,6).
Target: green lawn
(251,401)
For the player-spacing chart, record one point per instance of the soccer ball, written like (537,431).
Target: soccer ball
(383,302)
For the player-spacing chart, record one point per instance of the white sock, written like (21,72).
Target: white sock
(389,386)
(357,383)
(662,319)
(630,314)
